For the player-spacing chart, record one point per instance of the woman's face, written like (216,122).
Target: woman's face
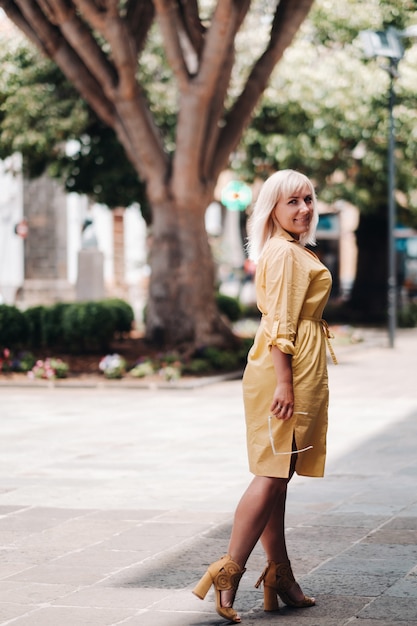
(295,212)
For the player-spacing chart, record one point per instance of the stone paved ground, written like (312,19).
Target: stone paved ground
(114,500)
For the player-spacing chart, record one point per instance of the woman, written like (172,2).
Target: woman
(284,386)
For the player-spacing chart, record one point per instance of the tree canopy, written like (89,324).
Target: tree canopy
(324,110)
(43,117)
(100,47)
(329,116)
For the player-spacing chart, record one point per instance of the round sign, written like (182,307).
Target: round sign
(21,229)
(236,196)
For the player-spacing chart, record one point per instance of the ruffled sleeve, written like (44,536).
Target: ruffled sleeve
(281,288)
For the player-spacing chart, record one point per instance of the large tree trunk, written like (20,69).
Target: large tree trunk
(368,301)
(181,308)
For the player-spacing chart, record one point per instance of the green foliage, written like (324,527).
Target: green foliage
(326,110)
(20,361)
(113,366)
(14,327)
(230,307)
(123,312)
(88,327)
(40,111)
(197,366)
(34,316)
(142,369)
(52,324)
(24,361)
(220,359)
(97,166)
(39,107)
(407,316)
(50,369)
(76,327)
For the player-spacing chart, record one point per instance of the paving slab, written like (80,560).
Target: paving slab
(114,499)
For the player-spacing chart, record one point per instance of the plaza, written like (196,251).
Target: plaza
(114,500)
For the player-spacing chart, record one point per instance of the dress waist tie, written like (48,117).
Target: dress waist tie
(327,334)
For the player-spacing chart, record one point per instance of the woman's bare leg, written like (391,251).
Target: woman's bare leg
(273,539)
(251,516)
(273,535)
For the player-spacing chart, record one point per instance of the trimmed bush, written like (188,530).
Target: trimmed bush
(220,359)
(407,316)
(88,327)
(14,327)
(52,324)
(123,312)
(34,317)
(230,307)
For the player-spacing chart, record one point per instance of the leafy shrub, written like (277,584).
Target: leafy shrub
(34,316)
(123,312)
(14,327)
(171,372)
(49,369)
(52,324)
(113,366)
(16,362)
(247,343)
(220,359)
(6,360)
(142,369)
(229,306)
(23,361)
(407,317)
(197,366)
(88,326)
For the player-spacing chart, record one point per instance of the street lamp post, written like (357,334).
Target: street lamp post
(387,44)
(392,264)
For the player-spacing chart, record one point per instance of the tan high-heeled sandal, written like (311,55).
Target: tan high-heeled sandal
(224,575)
(278,580)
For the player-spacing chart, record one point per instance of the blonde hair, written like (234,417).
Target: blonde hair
(262,224)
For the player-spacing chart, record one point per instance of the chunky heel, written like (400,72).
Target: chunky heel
(203,585)
(224,575)
(270,599)
(279,581)
(270,592)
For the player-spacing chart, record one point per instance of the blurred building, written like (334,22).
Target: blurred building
(42,233)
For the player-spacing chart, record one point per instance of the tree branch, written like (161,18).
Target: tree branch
(167,15)
(15,15)
(131,120)
(226,21)
(53,44)
(139,18)
(94,12)
(188,10)
(62,14)
(203,104)
(287,20)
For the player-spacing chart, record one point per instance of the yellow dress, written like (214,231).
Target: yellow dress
(292,288)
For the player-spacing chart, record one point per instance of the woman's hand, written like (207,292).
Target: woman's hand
(283,401)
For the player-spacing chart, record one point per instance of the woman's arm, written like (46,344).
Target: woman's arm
(283,400)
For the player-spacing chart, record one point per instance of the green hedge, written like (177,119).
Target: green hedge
(88,327)
(75,327)
(230,307)
(14,327)
(124,314)
(91,326)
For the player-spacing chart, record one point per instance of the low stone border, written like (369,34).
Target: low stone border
(99,382)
